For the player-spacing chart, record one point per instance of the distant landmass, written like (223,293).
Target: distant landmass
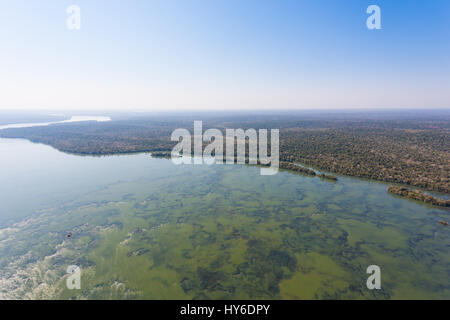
(413,150)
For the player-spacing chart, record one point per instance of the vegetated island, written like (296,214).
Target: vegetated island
(418,196)
(289,166)
(162,154)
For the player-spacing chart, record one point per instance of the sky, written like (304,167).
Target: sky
(144,55)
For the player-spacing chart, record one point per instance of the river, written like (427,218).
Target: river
(144,228)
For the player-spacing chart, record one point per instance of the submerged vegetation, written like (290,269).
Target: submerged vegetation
(161,231)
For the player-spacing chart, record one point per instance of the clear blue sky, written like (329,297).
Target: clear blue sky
(210,54)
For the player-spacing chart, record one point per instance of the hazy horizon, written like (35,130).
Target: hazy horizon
(57,112)
(143,56)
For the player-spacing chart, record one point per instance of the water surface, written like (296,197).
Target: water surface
(144,228)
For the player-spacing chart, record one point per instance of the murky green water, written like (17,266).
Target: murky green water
(145,228)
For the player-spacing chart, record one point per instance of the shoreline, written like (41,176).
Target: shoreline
(305,168)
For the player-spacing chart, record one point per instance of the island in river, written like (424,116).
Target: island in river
(418,195)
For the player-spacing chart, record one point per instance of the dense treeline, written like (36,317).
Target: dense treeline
(418,196)
(418,157)
(414,152)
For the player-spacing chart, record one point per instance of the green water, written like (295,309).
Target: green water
(144,228)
